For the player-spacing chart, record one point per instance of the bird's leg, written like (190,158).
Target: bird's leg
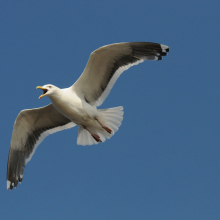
(95,136)
(103,126)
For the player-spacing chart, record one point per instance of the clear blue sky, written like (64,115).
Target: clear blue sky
(163,163)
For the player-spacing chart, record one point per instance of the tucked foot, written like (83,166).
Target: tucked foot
(107,129)
(96,137)
(103,126)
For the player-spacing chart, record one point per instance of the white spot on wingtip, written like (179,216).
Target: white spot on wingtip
(164,47)
(8,184)
(21,177)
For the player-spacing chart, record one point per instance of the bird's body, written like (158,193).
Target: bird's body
(71,106)
(77,105)
(67,102)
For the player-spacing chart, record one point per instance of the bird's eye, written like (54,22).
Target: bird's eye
(50,87)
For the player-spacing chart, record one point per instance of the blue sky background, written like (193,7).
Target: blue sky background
(163,163)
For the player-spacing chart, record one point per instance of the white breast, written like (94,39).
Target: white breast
(71,106)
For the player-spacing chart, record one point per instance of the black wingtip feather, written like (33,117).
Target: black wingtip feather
(20,179)
(163,54)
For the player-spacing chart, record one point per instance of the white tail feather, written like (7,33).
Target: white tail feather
(111,117)
(84,137)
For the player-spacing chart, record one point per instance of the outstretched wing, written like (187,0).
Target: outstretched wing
(107,63)
(30,128)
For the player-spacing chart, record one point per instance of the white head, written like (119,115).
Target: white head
(48,90)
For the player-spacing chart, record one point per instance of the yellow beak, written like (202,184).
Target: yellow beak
(40,87)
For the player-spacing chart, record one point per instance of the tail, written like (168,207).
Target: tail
(111,117)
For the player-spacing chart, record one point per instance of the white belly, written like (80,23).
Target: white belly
(77,110)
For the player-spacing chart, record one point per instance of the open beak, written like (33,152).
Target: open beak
(44,91)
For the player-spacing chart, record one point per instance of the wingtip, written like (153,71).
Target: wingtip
(20,179)
(11,185)
(8,184)
(165,48)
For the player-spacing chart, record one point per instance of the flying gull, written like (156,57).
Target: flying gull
(77,105)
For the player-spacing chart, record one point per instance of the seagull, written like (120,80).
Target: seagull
(77,105)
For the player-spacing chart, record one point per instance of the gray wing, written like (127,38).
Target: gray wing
(107,63)
(30,128)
